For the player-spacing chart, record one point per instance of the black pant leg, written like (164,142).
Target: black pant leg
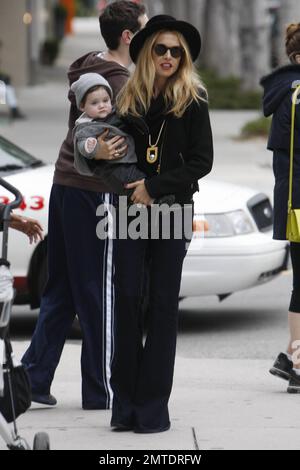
(80,282)
(90,265)
(129,267)
(295,258)
(157,364)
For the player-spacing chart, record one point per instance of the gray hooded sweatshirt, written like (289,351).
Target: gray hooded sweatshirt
(86,127)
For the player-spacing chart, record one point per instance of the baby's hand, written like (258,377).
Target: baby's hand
(90,144)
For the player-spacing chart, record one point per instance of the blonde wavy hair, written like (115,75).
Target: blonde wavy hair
(182,88)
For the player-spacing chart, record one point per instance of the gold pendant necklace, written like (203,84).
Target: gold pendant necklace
(152,150)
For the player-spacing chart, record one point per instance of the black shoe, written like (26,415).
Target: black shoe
(49,400)
(282,367)
(151,431)
(294,383)
(121,427)
(94,407)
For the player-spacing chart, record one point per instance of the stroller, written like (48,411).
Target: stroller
(15,392)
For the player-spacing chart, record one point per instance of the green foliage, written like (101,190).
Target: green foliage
(60,11)
(82,10)
(227,93)
(258,128)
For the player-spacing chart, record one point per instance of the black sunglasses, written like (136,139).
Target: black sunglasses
(161,49)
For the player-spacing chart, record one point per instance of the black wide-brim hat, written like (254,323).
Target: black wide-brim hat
(168,23)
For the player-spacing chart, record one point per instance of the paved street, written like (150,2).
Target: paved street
(223,396)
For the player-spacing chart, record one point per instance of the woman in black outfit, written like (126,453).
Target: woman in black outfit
(279,87)
(165,105)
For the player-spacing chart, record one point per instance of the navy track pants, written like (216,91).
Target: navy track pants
(80,283)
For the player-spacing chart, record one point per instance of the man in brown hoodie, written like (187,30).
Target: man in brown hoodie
(80,265)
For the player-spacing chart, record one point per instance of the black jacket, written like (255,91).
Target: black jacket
(277,100)
(185,151)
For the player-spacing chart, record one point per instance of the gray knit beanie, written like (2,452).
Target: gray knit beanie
(87,81)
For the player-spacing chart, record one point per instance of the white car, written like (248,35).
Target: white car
(234,251)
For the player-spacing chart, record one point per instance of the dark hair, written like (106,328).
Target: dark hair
(292,41)
(90,90)
(117,17)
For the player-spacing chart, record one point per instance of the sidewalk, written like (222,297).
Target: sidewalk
(215,405)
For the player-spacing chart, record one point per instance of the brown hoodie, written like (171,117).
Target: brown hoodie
(117,75)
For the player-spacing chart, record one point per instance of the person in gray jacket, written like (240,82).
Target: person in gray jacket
(94,98)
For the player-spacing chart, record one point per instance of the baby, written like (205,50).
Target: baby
(94,96)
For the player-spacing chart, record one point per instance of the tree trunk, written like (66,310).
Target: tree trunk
(221,50)
(154,7)
(255,42)
(195,13)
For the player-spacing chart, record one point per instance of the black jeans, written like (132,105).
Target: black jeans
(142,374)
(295,298)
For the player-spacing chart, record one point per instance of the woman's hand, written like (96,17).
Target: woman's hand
(110,149)
(31,227)
(140,194)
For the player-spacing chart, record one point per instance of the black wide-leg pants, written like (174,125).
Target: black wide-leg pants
(142,374)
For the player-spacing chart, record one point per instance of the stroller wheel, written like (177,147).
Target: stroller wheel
(41,441)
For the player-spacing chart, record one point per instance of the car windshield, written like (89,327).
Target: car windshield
(14,158)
